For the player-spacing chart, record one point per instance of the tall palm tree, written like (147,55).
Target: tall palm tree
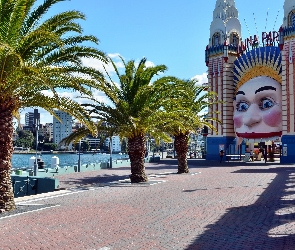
(40,56)
(182,116)
(134,103)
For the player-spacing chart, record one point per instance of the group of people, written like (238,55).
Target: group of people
(195,155)
(261,150)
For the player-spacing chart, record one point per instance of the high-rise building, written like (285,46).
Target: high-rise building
(116,144)
(30,120)
(46,131)
(61,129)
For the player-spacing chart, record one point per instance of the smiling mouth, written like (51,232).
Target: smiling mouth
(258,135)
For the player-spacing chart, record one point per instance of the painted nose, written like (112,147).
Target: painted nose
(252,116)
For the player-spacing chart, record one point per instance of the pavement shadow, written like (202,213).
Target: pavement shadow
(269,223)
(164,165)
(203,163)
(100,179)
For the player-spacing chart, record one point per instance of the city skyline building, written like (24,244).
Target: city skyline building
(46,131)
(62,129)
(116,143)
(30,120)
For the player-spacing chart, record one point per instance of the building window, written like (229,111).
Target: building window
(292,18)
(234,39)
(216,39)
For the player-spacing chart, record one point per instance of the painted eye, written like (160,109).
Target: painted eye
(266,103)
(242,106)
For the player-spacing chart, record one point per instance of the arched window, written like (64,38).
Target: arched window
(216,39)
(291,19)
(234,38)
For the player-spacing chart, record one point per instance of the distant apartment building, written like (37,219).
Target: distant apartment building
(62,129)
(94,143)
(77,125)
(30,120)
(46,131)
(116,144)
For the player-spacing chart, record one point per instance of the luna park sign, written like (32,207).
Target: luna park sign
(267,39)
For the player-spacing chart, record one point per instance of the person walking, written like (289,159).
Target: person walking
(264,153)
(265,156)
(221,153)
(251,156)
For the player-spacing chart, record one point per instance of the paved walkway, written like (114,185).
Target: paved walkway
(217,206)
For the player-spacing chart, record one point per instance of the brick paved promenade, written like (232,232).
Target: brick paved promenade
(217,206)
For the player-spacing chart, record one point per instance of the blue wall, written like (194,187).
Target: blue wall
(288,149)
(213,143)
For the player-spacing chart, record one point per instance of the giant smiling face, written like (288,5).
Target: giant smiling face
(258,108)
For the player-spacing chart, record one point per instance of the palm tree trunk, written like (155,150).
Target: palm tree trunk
(136,152)
(181,148)
(6,150)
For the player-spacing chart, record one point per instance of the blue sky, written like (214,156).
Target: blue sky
(170,32)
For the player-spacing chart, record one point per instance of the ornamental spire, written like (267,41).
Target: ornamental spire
(225,23)
(225,9)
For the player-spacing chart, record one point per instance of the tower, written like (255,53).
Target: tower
(62,128)
(287,33)
(220,53)
(31,118)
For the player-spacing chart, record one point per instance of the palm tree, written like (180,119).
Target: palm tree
(183,116)
(39,57)
(134,103)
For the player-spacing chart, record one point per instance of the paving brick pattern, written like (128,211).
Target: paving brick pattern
(216,206)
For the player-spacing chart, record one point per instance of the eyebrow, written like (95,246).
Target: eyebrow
(241,93)
(265,88)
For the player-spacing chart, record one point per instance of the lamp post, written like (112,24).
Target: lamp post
(111,160)
(79,157)
(37,121)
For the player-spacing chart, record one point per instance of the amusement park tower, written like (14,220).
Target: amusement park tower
(221,52)
(234,63)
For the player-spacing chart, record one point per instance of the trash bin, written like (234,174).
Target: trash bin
(18,172)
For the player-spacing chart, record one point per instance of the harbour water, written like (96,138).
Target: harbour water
(22,160)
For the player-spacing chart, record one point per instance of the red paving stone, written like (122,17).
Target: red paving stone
(216,206)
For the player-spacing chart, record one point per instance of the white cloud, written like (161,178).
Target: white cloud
(115,55)
(201,78)
(147,63)
(101,66)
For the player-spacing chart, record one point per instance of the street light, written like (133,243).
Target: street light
(79,152)
(79,157)
(37,121)
(111,160)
